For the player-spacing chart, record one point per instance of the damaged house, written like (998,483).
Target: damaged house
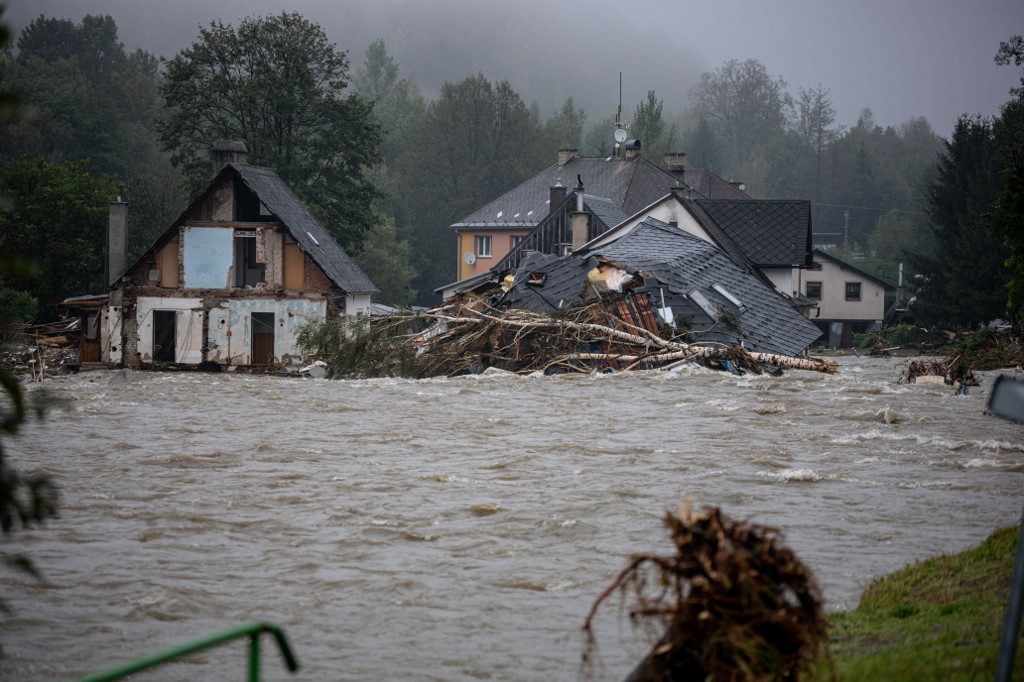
(725,269)
(685,281)
(230,283)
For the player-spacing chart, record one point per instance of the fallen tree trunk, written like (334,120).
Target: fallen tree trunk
(458,340)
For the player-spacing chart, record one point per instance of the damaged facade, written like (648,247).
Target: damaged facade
(232,281)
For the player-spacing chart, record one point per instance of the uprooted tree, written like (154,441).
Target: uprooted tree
(732,603)
(457,339)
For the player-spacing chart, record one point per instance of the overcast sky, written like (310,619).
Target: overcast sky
(900,58)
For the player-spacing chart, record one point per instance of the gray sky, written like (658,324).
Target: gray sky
(900,58)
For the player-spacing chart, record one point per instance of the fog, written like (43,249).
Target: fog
(900,58)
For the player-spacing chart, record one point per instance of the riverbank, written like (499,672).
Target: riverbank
(938,619)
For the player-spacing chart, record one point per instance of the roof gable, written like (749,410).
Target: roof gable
(296,219)
(307,231)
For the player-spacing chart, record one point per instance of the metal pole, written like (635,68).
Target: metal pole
(254,657)
(1011,625)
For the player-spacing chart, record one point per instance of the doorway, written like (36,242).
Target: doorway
(262,338)
(164,334)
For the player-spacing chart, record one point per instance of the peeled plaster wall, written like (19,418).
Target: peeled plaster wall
(208,256)
(230,328)
(112,347)
(188,340)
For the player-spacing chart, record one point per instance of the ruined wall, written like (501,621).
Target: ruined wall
(112,347)
(188,341)
(230,327)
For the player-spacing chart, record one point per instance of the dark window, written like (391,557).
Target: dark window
(853,291)
(247,271)
(814,290)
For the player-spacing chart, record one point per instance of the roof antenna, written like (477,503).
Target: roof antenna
(620,127)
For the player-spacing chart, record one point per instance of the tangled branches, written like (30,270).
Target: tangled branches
(457,339)
(733,603)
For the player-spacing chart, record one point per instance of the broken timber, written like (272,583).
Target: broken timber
(460,339)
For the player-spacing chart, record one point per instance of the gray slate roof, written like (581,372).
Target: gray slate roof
(771,232)
(605,210)
(307,231)
(631,184)
(674,265)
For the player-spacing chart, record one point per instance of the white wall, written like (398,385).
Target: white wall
(230,328)
(833,304)
(188,341)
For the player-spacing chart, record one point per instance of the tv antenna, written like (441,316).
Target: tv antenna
(620,127)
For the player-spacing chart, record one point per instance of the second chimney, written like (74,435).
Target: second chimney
(228,151)
(117,241)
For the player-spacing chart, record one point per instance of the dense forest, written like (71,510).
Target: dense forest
(387,170)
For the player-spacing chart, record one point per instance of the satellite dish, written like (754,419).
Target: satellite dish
(469,257)
(620,134)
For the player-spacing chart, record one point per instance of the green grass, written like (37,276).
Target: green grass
(939,619)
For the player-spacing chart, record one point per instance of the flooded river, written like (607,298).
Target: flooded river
(460,529)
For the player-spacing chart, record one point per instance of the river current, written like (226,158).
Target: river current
(459,529)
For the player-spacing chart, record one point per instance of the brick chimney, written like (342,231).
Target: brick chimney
(675,162)
(224,152)
(558,193)
(567,155)
(117,241)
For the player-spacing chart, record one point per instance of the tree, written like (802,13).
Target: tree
(1009,214)
(749,107)
(702,147)
(965,281)
(816,127)
(387,261)
(599,138)
(475,141)
(564,130)
(650,128)
(58,223)
(379,73)
(279,85)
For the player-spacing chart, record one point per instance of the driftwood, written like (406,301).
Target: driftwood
(637,348)
(457,339)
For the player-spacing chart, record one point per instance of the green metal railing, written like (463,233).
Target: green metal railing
(252,630)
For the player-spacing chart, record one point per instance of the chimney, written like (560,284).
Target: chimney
(567,155)
(557,195)
(632,149)
(117,241)
(579,218)
(675,162)
(224,152)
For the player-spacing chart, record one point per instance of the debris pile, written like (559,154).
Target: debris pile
(42,348)
(463,339)
(732,603)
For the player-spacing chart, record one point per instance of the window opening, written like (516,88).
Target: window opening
(247,271)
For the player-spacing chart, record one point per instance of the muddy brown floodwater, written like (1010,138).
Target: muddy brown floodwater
(459,529)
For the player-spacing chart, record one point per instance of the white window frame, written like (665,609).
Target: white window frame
(483,245)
